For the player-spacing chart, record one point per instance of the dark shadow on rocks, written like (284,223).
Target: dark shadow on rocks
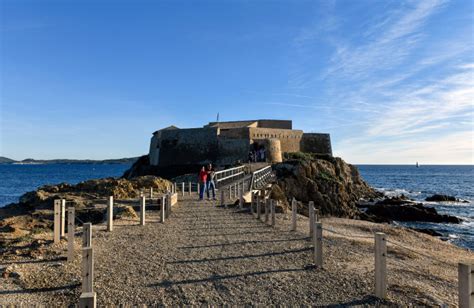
(243,243)
(39,290)
(270,254)
(368,300)
(35,261)
(213,278)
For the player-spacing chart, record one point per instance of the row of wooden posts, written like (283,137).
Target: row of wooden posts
(88,296)
(465,270)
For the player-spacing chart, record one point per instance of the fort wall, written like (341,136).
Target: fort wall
(193,146)
(289,139)
(316,143)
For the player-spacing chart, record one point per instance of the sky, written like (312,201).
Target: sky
(391,81)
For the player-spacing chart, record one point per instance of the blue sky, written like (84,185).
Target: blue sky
(392,81)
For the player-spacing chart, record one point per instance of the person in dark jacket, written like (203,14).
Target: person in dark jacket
(210,182)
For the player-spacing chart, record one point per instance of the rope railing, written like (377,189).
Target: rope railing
(382,258)
(88,296)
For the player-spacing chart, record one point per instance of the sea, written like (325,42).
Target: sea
(416,183)
(427,180)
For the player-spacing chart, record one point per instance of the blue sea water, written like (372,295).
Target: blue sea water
(419,183)
(416,183)
(15,180)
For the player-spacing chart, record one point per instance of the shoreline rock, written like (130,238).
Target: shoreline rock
(402,209)
(444,198)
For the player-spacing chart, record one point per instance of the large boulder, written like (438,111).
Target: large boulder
(442,198)
(334,186)
(405,210)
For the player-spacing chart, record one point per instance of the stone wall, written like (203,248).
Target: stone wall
(196,146)
(289,139)
(232,150)
(316,143)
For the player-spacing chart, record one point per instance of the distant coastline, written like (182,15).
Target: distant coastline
(31,161)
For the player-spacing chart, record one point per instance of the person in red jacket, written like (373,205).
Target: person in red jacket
(202,182)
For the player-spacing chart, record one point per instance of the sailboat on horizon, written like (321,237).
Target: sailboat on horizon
(417,165)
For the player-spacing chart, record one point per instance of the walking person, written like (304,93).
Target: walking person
(210,182)
(202,182)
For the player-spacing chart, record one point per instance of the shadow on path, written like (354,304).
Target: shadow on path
(270,254)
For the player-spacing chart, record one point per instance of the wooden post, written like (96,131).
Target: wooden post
(87,270)
(198,187)
(63,218)
(175,187)
(88,297)
(252,201)
(267,205)
(272,203)
(142,211)
(380,265)
(182,188)
(293,214)
(110,214)
(88,300)
(311,218)
(70,233)
(465,285)
(241,199)
(151,192)
(258,206)
(243,185)
(236,190)
(190,188)
(163,207)
(168,205)
(318,244)
(230,193)
(222,196)
(87,235)
(57,221)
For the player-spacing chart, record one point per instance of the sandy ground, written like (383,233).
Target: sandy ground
(204,254)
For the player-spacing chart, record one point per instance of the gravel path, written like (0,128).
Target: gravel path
(204,254)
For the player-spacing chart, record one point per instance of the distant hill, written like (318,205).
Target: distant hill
(5,160)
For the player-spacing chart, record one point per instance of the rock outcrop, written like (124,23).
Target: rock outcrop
(85,193)
(334,186)
(444,198)
(401,209)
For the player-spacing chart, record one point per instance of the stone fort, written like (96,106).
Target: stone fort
(226,143)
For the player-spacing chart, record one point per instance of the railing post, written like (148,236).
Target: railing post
(175,187)
(465,285)
(230,193)
(267,205)
(293,214)
(272,203)
(168,205)
(87,235)
(88,296)
(241,198)
(151,192)
(163,207)
(182,188)
(63,218)
(110,214)
(190,188)
(380,265)
(318,244)
(142,211)
(57,221)
(236,191)
(222,196)
(258,206)
(252,201)
(311,218)
(70,233)
(198,187)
